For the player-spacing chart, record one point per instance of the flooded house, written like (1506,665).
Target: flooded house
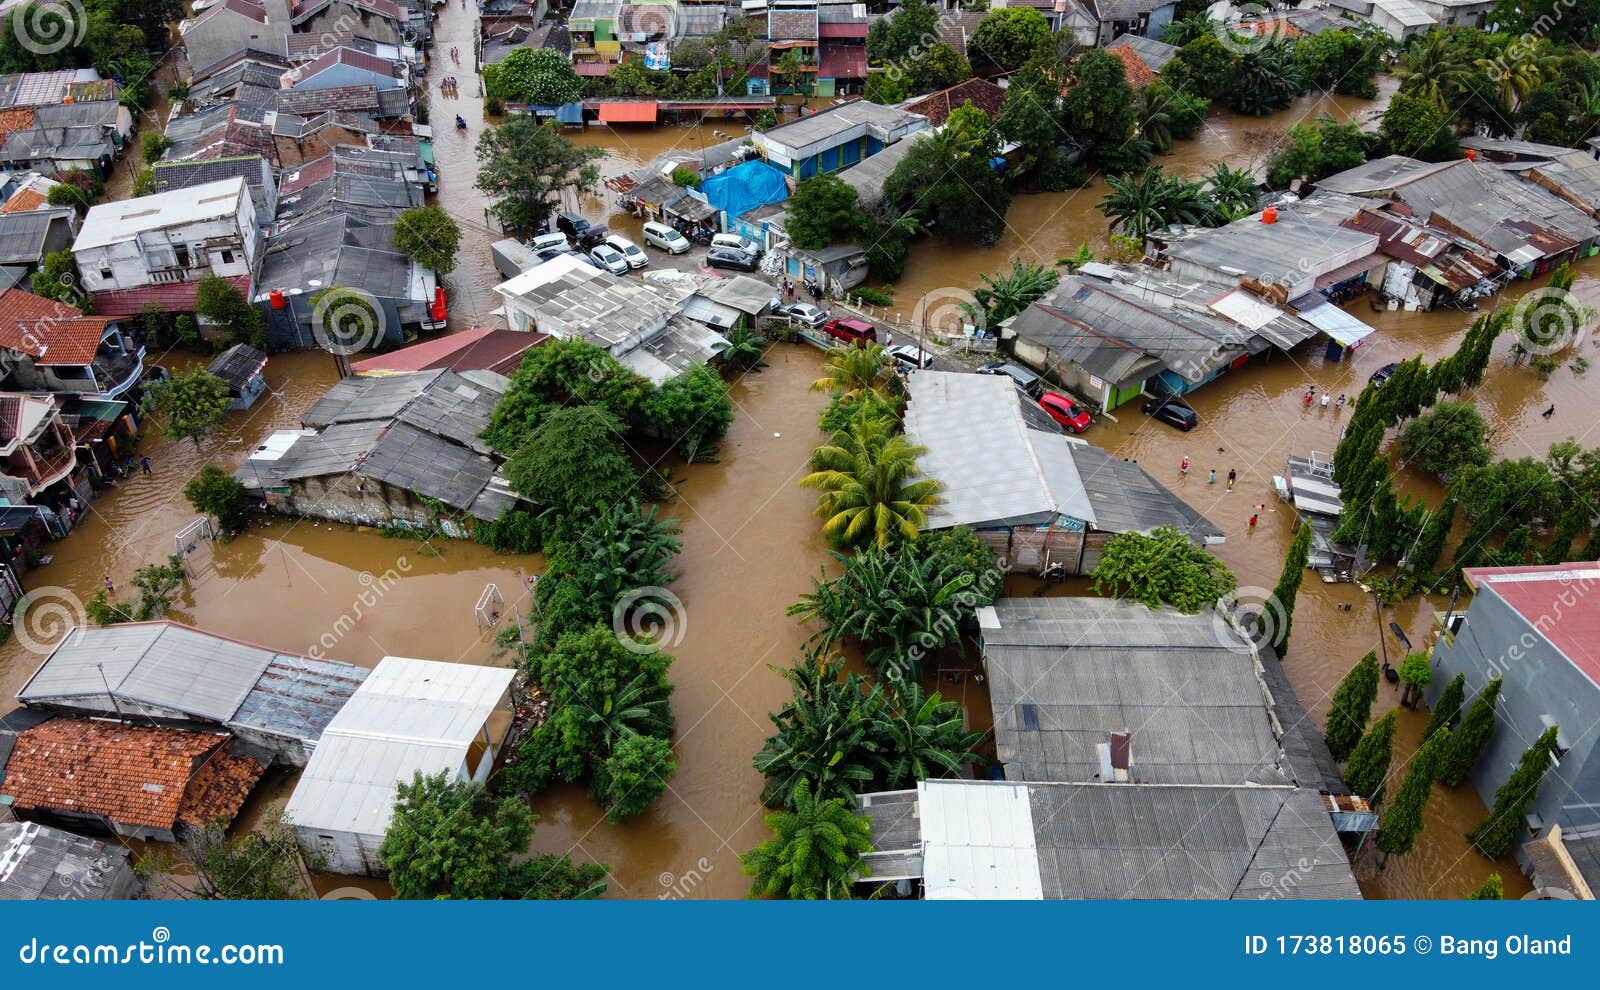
(132,781)
(38,458)
(359,182)
(643,325)
(1538,629)
(154,250)
(1045,503)
(255,169)
(1146,755)
(409,717)
(835,138)
(40,863)
(26,236)
(48,346)
(397,450)
(477,349)
(242,369)
(168,674)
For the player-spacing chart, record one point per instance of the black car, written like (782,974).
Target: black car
(727,257)
(1383,374)
(571,223)
(1172,412)
(591,237)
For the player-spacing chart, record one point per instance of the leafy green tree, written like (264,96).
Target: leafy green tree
(1231,193)
(192,404)
(1317,149)
(1489,492)
(1098,107)
(1416,673)
(1496,834)
(1276,628)
(264,864)
(1007,38)
(1424,554)
(633,776)
(1186,28)
(219,302)
(887,88)
(429,236)
(1492,889)
(153,145)
(871,491)
(1164,568)
(1343,60)
(560,373)
(1447,438)
(1367,770)
(57,279)
(1402,821)
(450,839)
(573,460)
(904,35)
(1419,128)
(822,211)
(1030,115)
(554,878)
(691,410)
(826,735)
(221,496)
(1265,80)
(939,67)
(948,175)
(815,852)
(1150,200)
(1352,707)
(537,75)
(1203,67)
(1446,713)
(525,166)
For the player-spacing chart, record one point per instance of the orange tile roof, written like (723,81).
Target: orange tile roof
(130,775)
(1139,75)
(24,200)
(51,333)
(15,120)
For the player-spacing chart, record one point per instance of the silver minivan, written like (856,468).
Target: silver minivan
(659,235)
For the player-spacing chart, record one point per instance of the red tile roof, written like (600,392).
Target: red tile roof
(478,349)
(51,333)
(1558,600)
(15,120)
(1139,75)
(24,200)
(176,297)
(130,775)
(981,93)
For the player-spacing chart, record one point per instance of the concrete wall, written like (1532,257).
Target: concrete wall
(349,499)
(1538,682)
(137,262)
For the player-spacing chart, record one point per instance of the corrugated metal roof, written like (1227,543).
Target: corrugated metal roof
(409,717)
(978,841)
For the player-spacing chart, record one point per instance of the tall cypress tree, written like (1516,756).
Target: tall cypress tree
(1352,706)
(1468,741)
(1424,556)
(1402,823)
(1447,710)
(1367,770)
(1268,626)
(1494,835)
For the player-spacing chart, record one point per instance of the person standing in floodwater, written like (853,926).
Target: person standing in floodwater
(1212,479)
(1253,519)
(1232,477)
(1183,465)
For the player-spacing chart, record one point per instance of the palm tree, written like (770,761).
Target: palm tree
(869,484)
(1265,80)
(638,708)
(1005,294)
(1186,29)
(1586,108)
(1233,192)
(1518,71)
(826,735)
(814,853)
(929,737)
(1138,204)
(852,370)
(1153,121)
(1433,69)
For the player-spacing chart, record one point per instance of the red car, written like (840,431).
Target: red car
(851,330)
(1064,411)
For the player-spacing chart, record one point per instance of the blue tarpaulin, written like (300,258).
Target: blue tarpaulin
(744,187)
(570,113)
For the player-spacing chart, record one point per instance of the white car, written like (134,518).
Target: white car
(911,356)
(801,314)
(632,252)
(544,242)
(663,237)
(736,242)
(610,259)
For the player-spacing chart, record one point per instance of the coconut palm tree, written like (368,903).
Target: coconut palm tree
(1138,204)
(814,853)
(850,371)
(869,484)
(1152,120)
(1517,72)
(1233,192)
(1433,69)
(1186,29)
(929,737)
(1265,80)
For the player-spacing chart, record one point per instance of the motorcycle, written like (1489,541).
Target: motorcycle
(461,124)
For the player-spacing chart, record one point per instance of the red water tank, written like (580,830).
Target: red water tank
(1472,155)
(276,297)
(439,311)
(1269,215)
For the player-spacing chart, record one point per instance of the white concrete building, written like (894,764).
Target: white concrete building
(169,238)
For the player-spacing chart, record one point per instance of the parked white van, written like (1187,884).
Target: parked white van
(659,235)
